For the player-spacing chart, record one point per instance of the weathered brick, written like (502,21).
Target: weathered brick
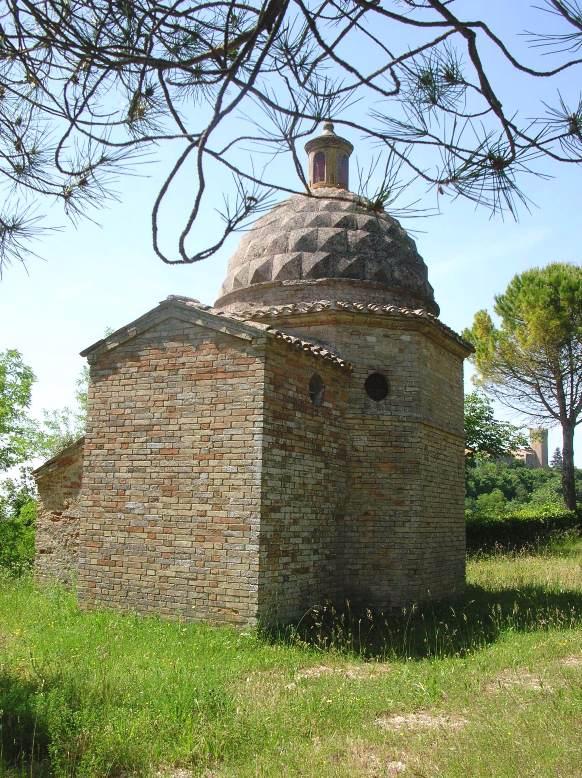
(215,488)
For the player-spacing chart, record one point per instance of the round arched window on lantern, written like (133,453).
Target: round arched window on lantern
(343,170)
(316,389)
(376,386)
(319,167)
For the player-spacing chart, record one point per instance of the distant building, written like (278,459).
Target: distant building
(536,454)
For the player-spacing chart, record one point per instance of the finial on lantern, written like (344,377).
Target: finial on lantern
(328,159)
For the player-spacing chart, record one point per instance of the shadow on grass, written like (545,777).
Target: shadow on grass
(434,629)
(24,738)
(513,535)
(443,629)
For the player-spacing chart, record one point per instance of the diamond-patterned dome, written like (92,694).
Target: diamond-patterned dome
(306,245)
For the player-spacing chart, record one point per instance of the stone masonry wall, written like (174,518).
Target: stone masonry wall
(404,519)
(57,523)
(304,486)
(171,495)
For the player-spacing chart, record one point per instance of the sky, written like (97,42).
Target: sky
(99,276)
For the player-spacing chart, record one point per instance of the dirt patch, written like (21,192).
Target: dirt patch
(352,671)
(181,772)
(517,679)
(260,688)
(266,677)
(369,761)
(366,761)
(395,768)
(571,661)
(265,684)
(420,720)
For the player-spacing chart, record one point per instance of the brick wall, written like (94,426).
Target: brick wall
(304,486)
(443,463)
(384,504)
(57,524)
(404,520)
(214,488)
(439,560)
(171,494)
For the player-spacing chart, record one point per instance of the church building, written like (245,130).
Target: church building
(301,441)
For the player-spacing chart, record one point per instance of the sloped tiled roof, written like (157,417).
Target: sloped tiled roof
(282,311)
(313,348)
(257,314)
(316,349)
(60,456)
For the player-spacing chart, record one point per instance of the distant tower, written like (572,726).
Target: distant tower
(328,160)
(538,440)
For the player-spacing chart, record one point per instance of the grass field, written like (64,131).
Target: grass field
(491,686)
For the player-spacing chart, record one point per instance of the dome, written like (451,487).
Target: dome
(327,245)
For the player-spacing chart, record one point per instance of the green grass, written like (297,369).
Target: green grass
(492,684)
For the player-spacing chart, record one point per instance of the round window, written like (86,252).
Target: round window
(316,389)
(376,386)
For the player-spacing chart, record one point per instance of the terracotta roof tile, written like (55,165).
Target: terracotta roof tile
(338,305)
(255,315)
(313,348)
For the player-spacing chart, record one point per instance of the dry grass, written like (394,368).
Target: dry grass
(571,661)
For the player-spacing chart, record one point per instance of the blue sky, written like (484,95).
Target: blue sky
(99,276)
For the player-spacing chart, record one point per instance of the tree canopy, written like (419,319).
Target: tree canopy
(498,488)
(90,87)
(484,434)
(532,361)
(21,436)
(16,381)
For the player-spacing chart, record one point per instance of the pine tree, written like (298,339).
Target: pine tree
(557,461)
(91,88)
(532,361)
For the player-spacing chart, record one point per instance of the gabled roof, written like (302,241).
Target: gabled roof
(195,312)
(173,306)
(66,452)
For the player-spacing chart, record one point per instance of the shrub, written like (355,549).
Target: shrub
(529,526)
(490,504)
(17,541)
